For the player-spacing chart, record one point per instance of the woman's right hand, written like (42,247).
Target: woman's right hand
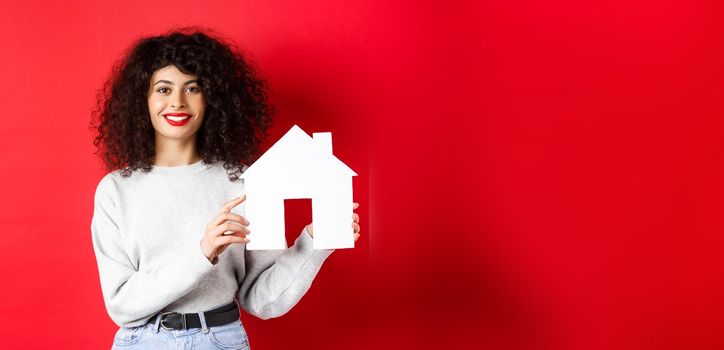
(227,228)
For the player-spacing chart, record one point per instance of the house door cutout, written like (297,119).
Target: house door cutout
(297,215)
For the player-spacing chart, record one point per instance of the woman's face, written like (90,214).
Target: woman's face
(176,104)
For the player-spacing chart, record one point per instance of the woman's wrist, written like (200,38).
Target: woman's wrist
(211,259)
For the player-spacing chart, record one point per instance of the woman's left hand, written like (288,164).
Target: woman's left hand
(355,223)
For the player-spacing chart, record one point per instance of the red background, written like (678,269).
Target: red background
(532,174)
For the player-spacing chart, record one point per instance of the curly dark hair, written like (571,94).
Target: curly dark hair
(237,115)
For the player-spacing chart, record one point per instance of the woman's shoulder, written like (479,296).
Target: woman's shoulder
(106,189)
(113,182)
(110,179)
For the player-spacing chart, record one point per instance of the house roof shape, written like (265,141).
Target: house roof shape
(296,140)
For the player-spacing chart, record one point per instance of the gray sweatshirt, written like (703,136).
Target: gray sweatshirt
(146,231)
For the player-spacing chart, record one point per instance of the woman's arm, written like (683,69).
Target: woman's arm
(132,296)
(277,279)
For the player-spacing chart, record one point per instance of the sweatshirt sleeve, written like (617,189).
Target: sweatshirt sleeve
(132,296)
(276,280)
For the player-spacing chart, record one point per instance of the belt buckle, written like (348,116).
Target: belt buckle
(164,318)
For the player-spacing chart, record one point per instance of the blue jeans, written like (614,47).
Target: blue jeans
(152,336)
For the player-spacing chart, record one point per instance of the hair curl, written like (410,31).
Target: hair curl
(237,114)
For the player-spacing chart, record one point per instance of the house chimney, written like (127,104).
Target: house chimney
(323,141)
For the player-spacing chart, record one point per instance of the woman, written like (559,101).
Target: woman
(176,121)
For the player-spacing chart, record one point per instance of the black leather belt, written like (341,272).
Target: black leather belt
(217,317)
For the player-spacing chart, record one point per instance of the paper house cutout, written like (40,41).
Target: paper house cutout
(299,166)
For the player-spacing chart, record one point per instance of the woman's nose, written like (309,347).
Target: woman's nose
(177,100)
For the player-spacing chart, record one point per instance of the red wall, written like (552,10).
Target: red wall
(532,174)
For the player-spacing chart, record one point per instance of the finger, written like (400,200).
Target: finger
(229,226)
(232,233)
(356,236)
(224,216)
(229,240)
(229,205)
(310,229)
(355,217)
(356,227)
(355,205)
(229,233)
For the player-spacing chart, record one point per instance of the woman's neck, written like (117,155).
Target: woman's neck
(175,153)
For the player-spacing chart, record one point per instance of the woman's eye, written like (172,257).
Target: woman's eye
(193,89)
(162,90)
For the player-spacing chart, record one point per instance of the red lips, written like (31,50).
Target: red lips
(178,122)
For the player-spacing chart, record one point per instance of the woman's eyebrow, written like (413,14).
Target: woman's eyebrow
(168,82)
